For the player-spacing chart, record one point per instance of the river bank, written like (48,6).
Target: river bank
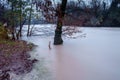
(14,58)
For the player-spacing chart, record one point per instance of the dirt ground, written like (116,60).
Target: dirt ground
(14,58)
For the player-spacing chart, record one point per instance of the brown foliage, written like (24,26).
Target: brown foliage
(14,57)
(3,33)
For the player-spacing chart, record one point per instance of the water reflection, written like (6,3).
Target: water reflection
(95,57)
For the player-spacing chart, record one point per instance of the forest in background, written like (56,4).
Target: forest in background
(94,13)
(16,13)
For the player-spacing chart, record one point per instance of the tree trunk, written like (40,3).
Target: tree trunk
(29,21)
(20,31)
(19,34)
(13,24)
(60,14)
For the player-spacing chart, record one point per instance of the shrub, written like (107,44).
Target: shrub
(3,32)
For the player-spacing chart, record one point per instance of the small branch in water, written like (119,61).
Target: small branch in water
(49,45)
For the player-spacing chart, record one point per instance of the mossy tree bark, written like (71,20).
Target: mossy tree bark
(60,14)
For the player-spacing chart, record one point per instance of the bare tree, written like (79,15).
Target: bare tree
(51,12)
(60,16)
(29,19)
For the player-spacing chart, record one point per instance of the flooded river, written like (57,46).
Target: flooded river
(94,56)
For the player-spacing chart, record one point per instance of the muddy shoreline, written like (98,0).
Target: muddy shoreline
(14,58)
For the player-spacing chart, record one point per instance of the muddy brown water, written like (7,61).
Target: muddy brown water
(94,57)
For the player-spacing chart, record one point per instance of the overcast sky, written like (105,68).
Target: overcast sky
(87,1)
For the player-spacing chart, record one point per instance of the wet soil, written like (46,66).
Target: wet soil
(14,58)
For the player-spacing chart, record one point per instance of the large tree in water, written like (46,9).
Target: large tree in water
(60,16)
(51,12)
